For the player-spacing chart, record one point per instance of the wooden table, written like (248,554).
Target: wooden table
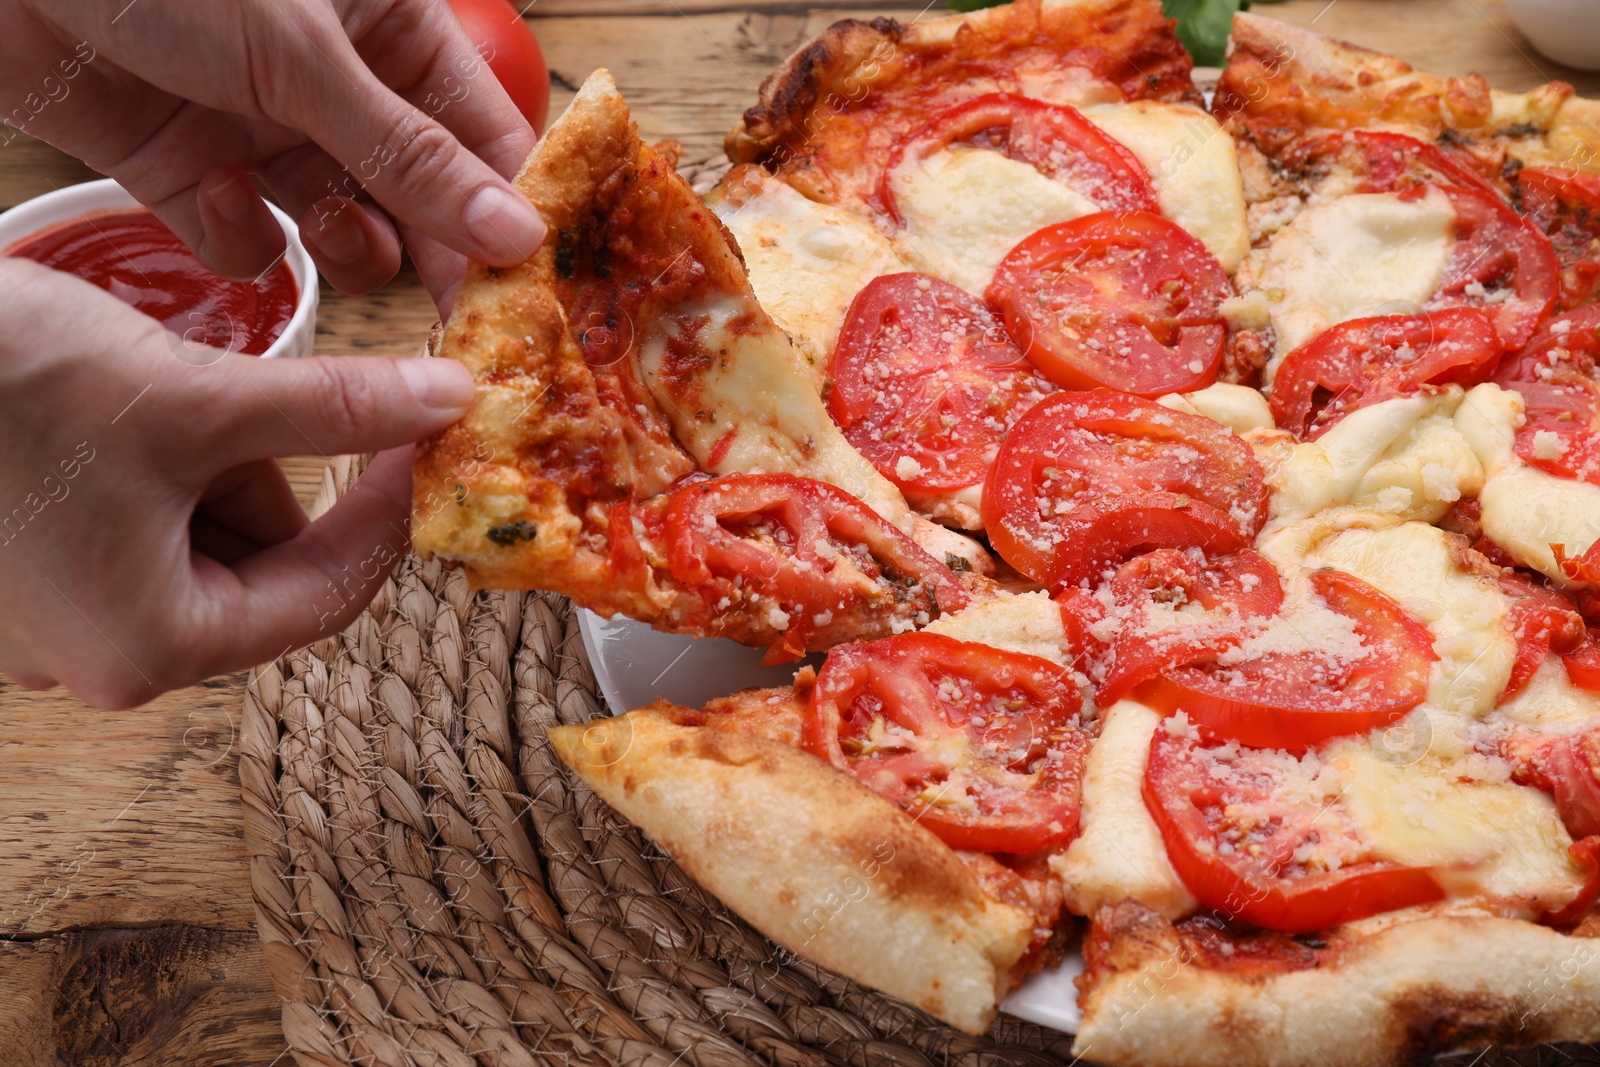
(126,927)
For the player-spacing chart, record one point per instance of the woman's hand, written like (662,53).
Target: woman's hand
(368,120)
(148,539)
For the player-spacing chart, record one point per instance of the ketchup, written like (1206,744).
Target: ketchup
(133,256)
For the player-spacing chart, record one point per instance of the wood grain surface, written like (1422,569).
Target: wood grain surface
(126,927)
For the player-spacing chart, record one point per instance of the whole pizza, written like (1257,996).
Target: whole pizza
(1182,519)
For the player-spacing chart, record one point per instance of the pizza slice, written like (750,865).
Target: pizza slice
(644,438)
(891,818)
(831,116)
(1376,188)
(1334,768)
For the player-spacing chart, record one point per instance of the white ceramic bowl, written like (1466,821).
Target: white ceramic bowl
(1568,31)
(91,198)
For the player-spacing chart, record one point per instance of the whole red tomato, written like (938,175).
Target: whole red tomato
(512,53)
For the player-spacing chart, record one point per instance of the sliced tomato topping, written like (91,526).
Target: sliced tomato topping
(1054,138)
(1121,300)
(1174,607)
(1565,204)
(1386,162)
(983,746)
(1584,568)
(1555,373)
(1083,617)
(820,561)
(1586,854)
(1542,620)
(925,382)
(1364,361)
(1247,848)
(1098,537)
(1076,461)
(1567,766)
(1583,662)
(1295,699)
(1501,263)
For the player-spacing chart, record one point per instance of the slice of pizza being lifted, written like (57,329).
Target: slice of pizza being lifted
(644,438)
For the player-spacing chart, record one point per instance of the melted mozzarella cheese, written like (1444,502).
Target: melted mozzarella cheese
(961,508)
(1238,407)
(1411,562)
(1550,698)
(1482,838)
(759,395)
(1402,456)
(1348,258)
(1287,544)
(1193,167)
(807,261)
(1119,852)
(1525,510)
(965,208)
(1029,623)
(955,550)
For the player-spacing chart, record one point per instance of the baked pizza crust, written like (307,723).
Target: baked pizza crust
(1283,81)
(626,355)
(504,492)
(1410,989)
(822,120)
(810,857)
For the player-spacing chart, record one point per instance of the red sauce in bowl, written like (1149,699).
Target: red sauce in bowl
(133,256)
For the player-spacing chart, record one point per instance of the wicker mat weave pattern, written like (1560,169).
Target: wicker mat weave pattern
(433,887)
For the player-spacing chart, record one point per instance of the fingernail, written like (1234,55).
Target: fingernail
(234,199)
(339,238)
(441,384)
(505,226)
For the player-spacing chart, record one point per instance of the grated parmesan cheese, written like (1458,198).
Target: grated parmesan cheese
(1548,445)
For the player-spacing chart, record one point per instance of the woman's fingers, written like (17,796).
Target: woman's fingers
(353,244)
(249,408)
(441,270)
(314,584)
(240,238)
(246,509)
(351,239)
(406,160)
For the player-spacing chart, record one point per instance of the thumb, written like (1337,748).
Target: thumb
(313,584)
(331,405)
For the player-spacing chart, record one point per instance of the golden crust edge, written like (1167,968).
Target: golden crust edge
(837,874)
(830,65)
(1315,61)
(582,145)
(1401,995)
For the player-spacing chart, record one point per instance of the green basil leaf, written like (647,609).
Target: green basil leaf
(1203,26)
